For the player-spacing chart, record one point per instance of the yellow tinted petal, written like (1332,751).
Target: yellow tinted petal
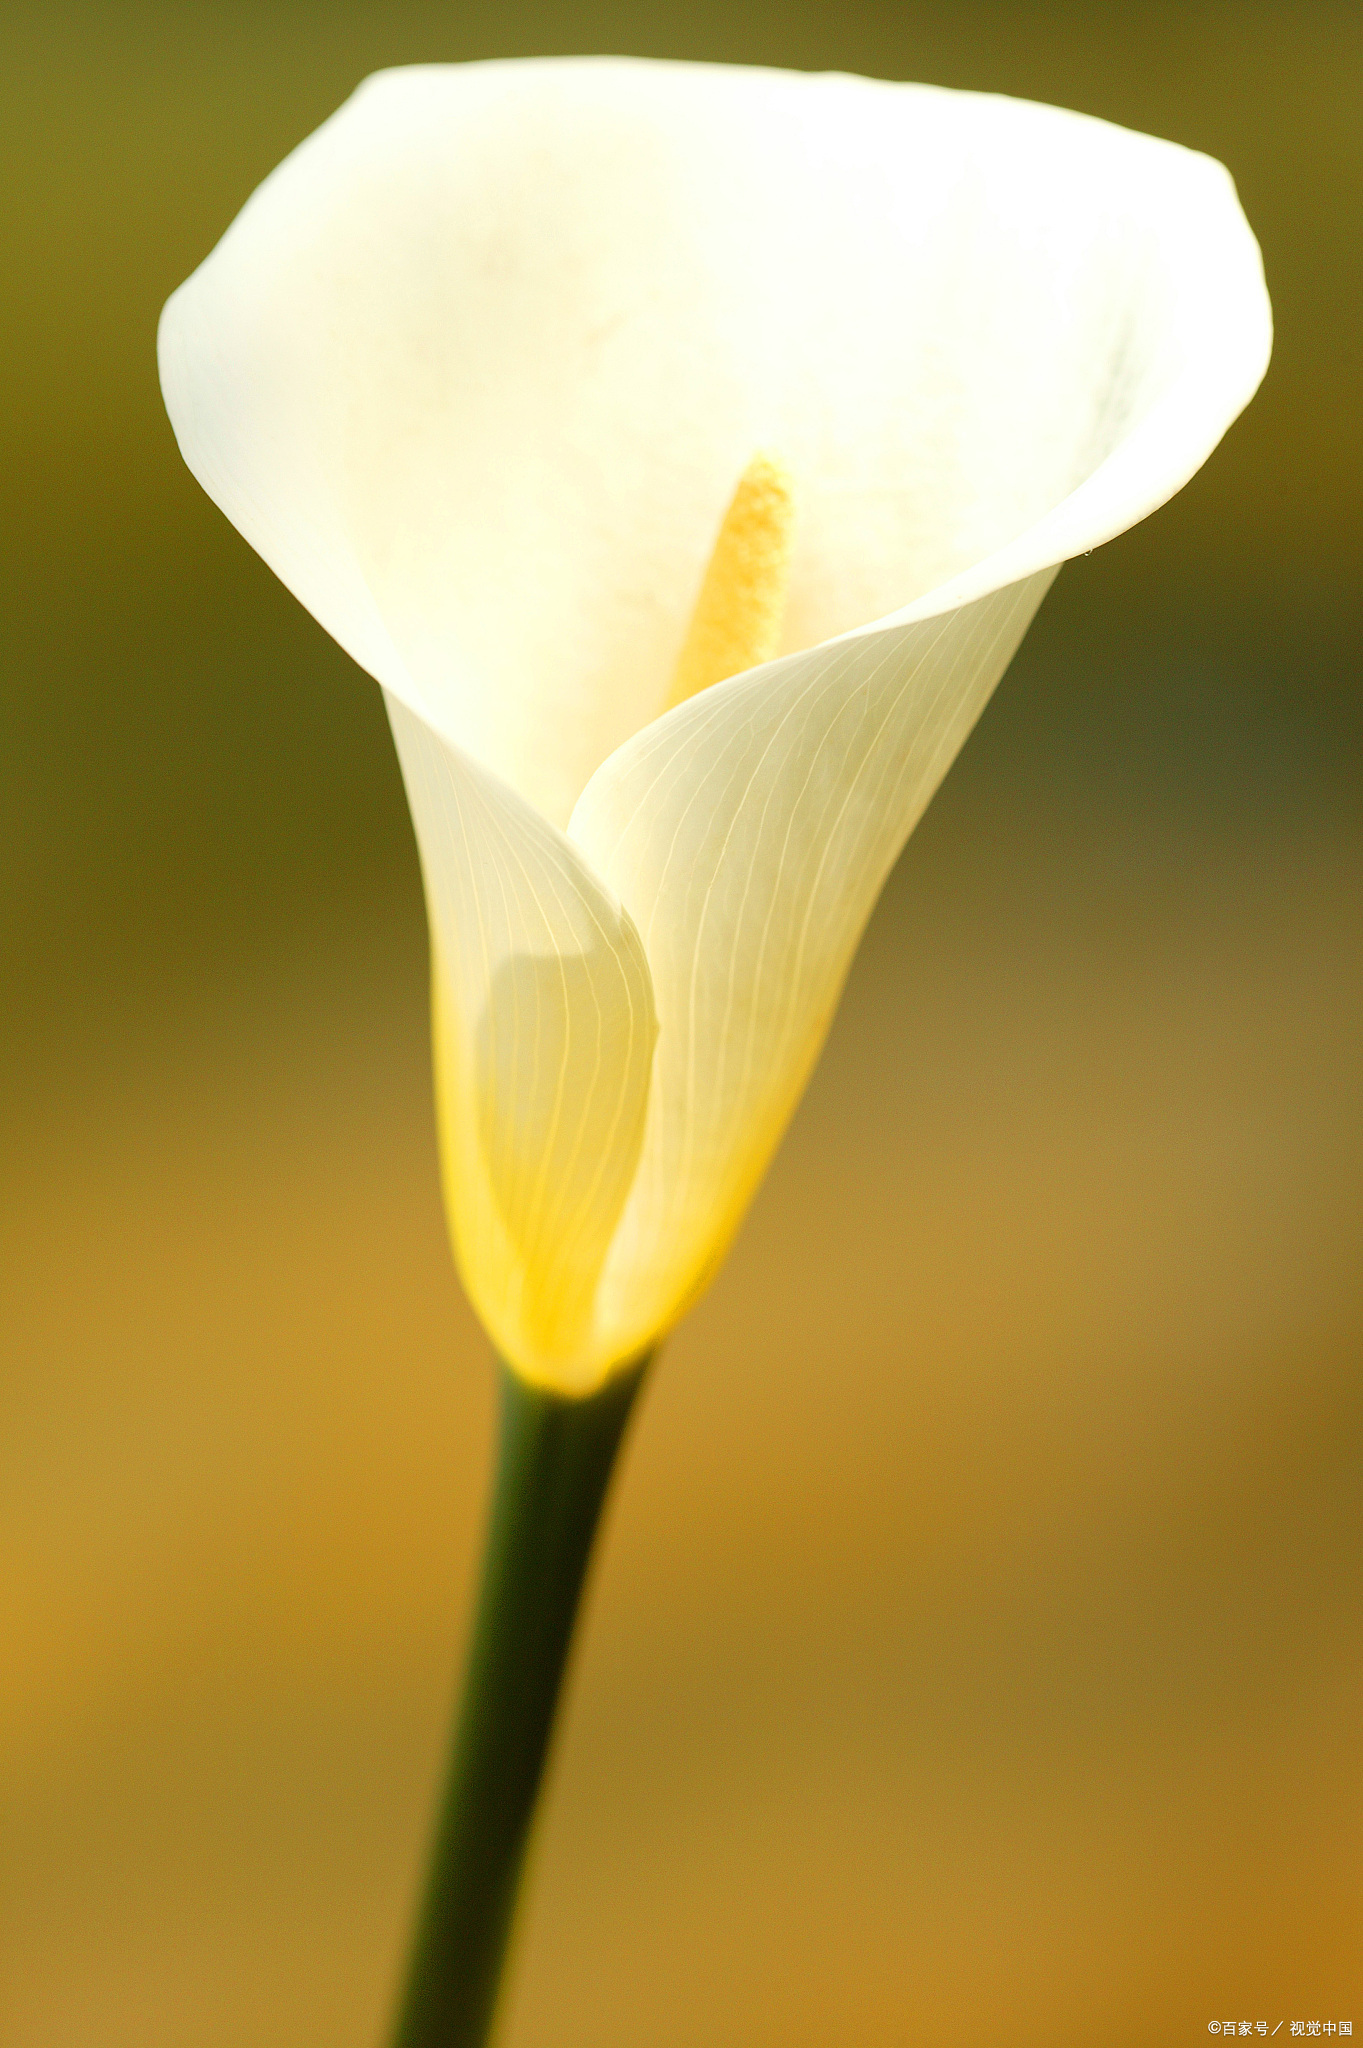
(749,833)
(544,1028)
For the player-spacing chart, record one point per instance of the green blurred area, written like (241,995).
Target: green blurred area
(976,1654)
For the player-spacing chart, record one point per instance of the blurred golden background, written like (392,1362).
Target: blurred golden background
(975,1653)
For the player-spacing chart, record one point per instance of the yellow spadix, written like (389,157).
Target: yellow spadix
(742,604)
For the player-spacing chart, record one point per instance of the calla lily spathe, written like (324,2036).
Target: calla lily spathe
(477,370)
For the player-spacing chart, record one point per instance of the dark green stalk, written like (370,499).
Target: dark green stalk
(553,1468)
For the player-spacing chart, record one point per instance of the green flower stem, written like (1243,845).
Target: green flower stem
(553,1470)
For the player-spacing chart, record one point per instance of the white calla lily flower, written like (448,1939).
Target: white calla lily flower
(478,371)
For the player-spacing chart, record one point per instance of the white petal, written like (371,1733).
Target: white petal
(476,371)
(748,833)
(544,1030)
(478,367)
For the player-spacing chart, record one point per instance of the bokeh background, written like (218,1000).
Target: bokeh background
(975,1652)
